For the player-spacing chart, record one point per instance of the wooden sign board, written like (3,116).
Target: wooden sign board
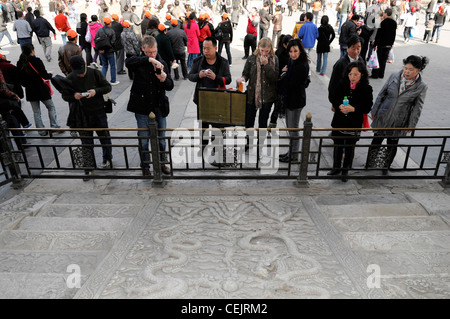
(225,107)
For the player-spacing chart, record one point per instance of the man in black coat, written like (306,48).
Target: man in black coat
(384,40)
(178,39)
(151,80)
(348,29)
(353,54)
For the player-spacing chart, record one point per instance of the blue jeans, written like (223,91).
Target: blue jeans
(26,40)
(322,65)
(342,20)
(3,33)
(437,28)
(35,105)
(227,48)
(143,122)
(191,58)
(64,37)
(110,59)
(99,120)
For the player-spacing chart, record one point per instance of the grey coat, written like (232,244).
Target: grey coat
(392,109)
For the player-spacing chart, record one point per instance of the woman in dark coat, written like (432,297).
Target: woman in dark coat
(355,86)
(295,82)
(326,36)
(32,74)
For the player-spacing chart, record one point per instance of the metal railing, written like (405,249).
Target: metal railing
(234,153)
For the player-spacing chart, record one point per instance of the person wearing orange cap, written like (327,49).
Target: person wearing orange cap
(105,40)
(62,24)
(165,46)
(178,39)
(205,31)
(227,36)
(118,47)
(130,44)
(68,50)
(167,22)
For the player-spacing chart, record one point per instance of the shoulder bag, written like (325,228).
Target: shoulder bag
(46,82)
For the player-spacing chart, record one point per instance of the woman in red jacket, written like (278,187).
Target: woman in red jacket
(193,33)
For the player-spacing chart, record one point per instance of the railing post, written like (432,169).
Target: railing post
(158,180)
(8,156)
(302,180)
(446,180)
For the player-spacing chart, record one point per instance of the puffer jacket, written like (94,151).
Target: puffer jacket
(269,80)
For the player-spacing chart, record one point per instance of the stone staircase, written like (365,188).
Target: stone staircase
(41,245)
(409,244)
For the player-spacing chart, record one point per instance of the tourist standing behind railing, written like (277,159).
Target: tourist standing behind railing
(32,75)
(261,72)
(355,86)
(296,80)
(399,104)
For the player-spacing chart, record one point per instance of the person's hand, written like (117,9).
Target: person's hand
(203,73)
(162,76)
(284,69)
(91,93)
(264,60)
(210,74)
(345,109)
(333,109)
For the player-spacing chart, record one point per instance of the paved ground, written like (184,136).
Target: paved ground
(231,239)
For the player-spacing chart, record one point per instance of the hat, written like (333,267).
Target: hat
(188,14)
(115,17)
(201,16)
(71,34)
(168,16)
(161,27)
(126,24)
(107,20)
(206,15)
(225,16)
(413,9)
(174,22)
(77,64)
(147,14)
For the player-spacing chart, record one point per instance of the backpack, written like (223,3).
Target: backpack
(218,33)
(102,40)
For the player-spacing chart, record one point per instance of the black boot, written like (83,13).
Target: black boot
(344,175)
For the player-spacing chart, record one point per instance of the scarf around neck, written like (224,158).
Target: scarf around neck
(258,89)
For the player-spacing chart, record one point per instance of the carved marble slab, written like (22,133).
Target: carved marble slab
(83,210)
(373,210)
(225,247)
(73,224)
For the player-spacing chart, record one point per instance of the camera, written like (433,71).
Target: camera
(85,94)
(158,71)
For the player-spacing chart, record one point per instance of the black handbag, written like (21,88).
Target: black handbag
(165,107)
(109,105)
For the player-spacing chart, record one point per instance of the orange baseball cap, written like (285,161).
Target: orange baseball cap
(161,27)
(126,24)
(115,17)
(174,22)
(71,34)
(147,14)
(206,15)
(168,16)
(107,20)
(225,16)
(188,14)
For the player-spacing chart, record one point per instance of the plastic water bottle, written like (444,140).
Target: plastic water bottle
(345,103)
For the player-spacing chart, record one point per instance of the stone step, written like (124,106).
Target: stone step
(89,210)
(356,199)
(54,240)
(428,241)
(15,209)
(44,261)
(373,210)
(389,223)
(73,224)
(400,263)
(36,286)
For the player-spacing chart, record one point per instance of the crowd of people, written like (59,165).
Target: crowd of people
(149,46)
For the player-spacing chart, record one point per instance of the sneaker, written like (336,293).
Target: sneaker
(89,173)
(272,125)
(244,57)
(115,83)
(107,164)
(231,65)
(122,72)
(147,172)
(28,126)
(43,133)
(94,65)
